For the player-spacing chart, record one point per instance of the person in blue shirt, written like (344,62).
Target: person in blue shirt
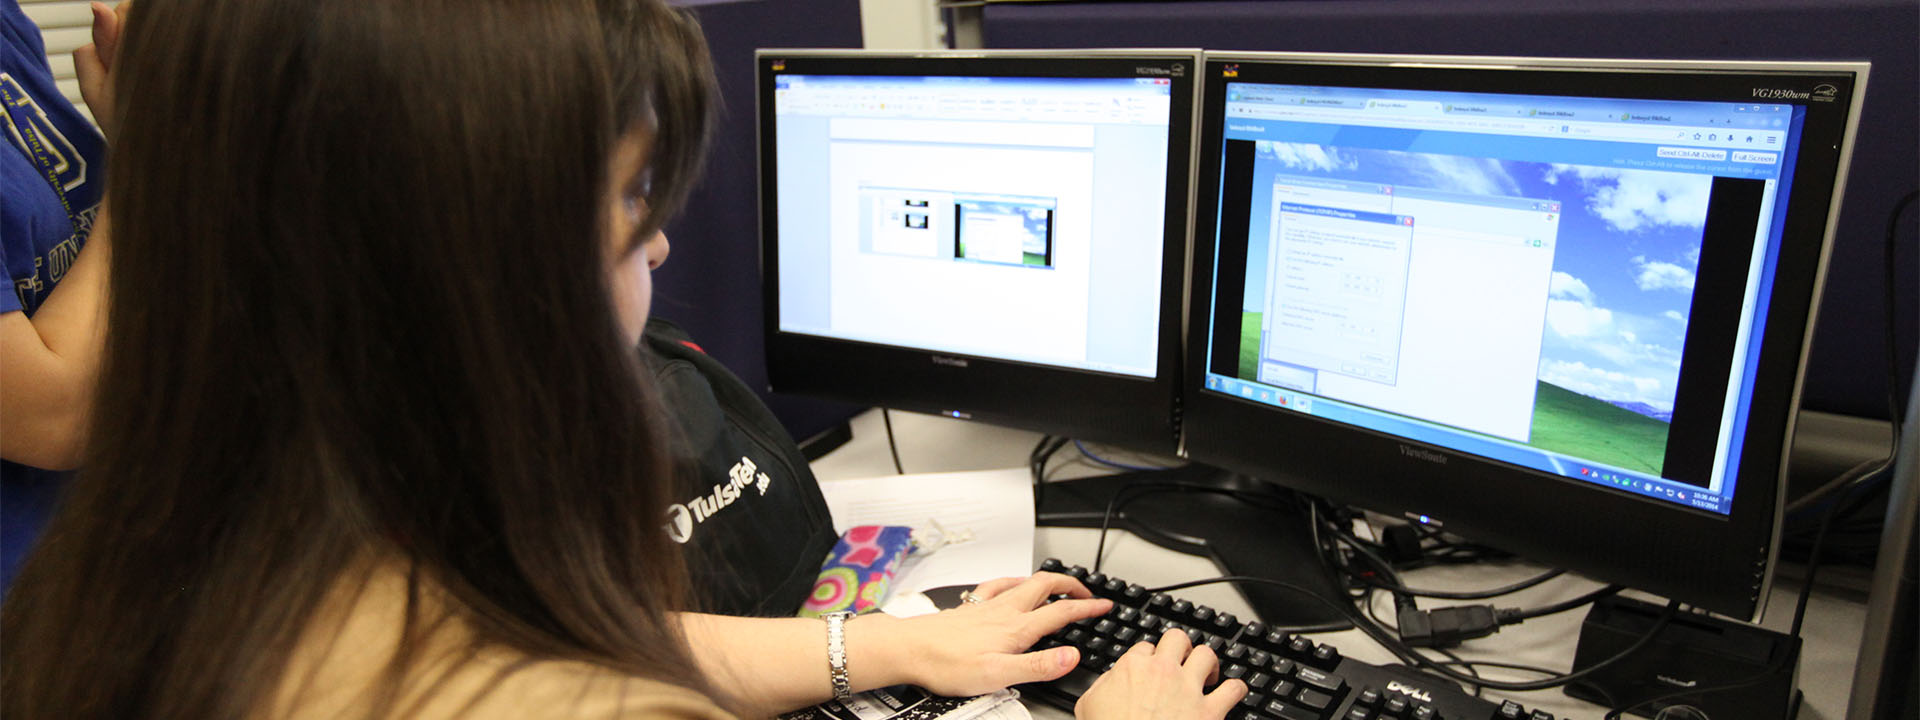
(53,246)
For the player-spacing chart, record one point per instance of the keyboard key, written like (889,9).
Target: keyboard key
(1196,637)
(1126,614)
(1316,679)
(1291,712)
(1203,615)
(1151,623)
(1277,639)
(1216,643)
(1300,647)
(1394,706)
(1256,629)
(1096,644)
(1368,697)
(1249,715)
(1282,667)
(1259,681)
(1105,627)
(1510,710)
(1180,609)
(1424,712)
(1326,657)
(1126,636)
(1252,700)
(1052,565)
(1540,715)
(1285,687)
(1315,699)
(1359,713)
(1077,636)
(1095,580)
(1259,658)
(1235,651)
(1223,623)
(1159,602)
(1077,572)
(1236,671)
(1134,592)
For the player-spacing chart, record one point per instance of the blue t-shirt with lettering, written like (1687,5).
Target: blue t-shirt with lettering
(52,173)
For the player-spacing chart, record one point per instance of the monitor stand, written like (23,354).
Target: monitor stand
(1269,540)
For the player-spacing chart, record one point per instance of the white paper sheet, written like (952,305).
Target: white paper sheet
(996,506)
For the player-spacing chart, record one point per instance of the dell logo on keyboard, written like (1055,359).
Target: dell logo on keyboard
(1419,454)
(1412,692)
(949,361)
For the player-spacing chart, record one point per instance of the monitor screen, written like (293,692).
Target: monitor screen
(1574,291)
(973,235)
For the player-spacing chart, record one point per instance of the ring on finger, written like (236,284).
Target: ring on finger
(970,598)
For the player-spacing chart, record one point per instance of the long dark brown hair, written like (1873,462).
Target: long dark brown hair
(359,304)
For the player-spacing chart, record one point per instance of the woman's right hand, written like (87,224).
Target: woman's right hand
(1160,682)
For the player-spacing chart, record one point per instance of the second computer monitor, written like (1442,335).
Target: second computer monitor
(997,236)
(1556,305)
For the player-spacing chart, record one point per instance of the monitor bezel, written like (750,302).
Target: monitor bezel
(1717,562)
(1132,411)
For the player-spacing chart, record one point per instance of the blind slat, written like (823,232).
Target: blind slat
(66,13)
(62,64)
(64,41)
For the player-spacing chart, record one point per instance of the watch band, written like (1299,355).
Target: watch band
(837,654)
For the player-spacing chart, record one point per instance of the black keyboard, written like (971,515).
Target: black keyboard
(1289,677)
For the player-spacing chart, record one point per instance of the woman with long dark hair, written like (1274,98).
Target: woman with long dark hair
(371,439)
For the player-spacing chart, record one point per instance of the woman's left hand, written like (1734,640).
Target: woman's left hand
(981,647)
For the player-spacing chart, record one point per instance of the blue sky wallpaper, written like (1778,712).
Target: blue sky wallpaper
(1623,274)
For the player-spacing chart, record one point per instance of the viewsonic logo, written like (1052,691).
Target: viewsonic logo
(1426,455)
(949,361)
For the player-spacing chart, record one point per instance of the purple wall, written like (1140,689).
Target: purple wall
(711,282)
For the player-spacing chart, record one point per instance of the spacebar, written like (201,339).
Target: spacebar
(1064,692)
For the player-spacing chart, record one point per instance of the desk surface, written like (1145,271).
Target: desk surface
(936,444)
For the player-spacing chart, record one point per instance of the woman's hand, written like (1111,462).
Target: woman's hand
(93,62)
(981,647)
(1162,682)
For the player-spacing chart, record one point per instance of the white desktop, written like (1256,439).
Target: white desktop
(929,443)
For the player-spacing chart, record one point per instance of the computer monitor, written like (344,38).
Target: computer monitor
(1556,306)
(996,236)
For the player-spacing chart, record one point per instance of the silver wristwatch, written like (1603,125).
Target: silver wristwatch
(837,653)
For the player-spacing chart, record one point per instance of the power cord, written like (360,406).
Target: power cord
(886,416)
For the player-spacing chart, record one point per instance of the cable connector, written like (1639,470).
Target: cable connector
(1449,626)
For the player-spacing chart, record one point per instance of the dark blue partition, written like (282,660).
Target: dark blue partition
(711,284)
(1846,373)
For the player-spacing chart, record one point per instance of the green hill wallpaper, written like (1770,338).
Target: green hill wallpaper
(1564,421)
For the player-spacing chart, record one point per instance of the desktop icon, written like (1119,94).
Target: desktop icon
(779,65)
(1230,70)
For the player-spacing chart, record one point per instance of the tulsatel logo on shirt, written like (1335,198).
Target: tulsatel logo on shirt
(682,518)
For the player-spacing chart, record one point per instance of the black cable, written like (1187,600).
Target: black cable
(1454,659)
(1409,657)
(1846,480)
(887,417)
(1566,605)
(1395,587)
(1893,353)
(1505,666)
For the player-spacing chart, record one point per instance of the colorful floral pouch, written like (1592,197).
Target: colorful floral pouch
(859,572)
